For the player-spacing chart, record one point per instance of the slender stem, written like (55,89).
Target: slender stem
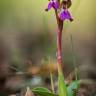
(59,39)
(51,77)
(59,49)
(52,83)
(73,56)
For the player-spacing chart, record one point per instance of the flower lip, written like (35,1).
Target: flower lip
(65,15)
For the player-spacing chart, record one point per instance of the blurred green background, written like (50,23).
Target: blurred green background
(27,32)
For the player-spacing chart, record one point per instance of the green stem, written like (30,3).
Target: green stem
(52,84)
(73,56)
(51,77)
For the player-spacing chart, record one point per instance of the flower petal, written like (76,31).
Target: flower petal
(49,5)
(65,14)
(54,4)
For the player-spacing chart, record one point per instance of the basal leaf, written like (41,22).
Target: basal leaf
(41,91)
(72,86)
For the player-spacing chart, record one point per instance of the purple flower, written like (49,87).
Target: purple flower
(52,4)
(65,14)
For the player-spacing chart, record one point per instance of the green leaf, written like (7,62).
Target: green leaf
(72,86)
(41,91)
(62,89)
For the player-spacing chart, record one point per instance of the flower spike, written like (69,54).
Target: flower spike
(61,12)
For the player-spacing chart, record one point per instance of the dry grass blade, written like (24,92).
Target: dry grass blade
(29,92)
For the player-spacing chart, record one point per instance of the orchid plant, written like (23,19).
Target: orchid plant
(62,13)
